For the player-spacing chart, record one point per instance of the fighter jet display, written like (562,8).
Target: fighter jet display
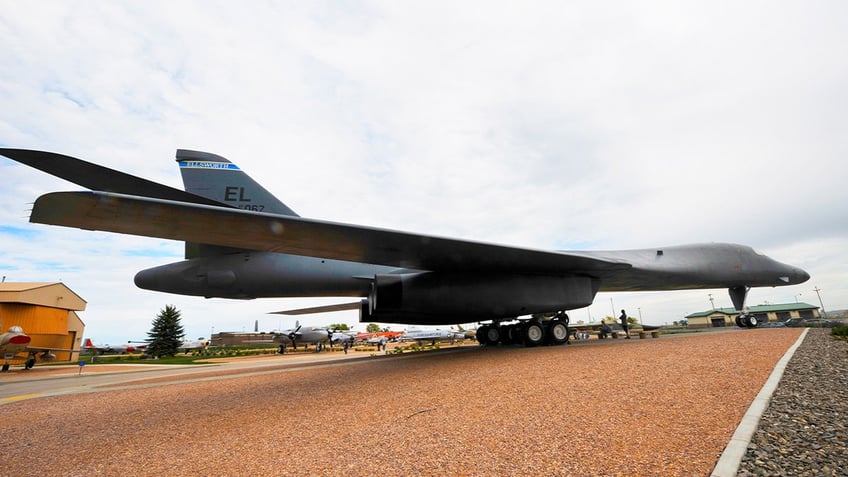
(420,335)
(242,242)
(189,345)
(15,342)
(89,346)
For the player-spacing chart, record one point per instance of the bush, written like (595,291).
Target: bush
(840,332)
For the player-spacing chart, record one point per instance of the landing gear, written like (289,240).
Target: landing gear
(488,335)
(746,320)
(534,334)
(558,332)
(530,333)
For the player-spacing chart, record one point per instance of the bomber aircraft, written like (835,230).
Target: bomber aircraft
(242,243)
(311,335)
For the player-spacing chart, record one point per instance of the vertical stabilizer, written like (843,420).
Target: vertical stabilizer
(214,177)
(211,176)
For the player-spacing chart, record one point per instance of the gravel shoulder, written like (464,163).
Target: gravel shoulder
(804,430)
(663,406)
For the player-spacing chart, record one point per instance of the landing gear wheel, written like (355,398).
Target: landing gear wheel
(558,332)
(488,335)
(516,333)
(482,331)
(30,362)
(739,322)
(534,334)
(506,334)
(753,321)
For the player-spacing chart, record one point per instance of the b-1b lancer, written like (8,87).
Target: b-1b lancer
(242,243)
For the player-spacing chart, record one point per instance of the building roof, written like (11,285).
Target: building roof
(756,309)
(55,294)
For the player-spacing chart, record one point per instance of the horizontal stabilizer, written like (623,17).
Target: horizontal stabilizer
(319,309)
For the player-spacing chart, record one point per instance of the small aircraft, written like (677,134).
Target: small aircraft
(199,343)
(378,336)
(420,335)
(243,243)
(89,346)
(14,341)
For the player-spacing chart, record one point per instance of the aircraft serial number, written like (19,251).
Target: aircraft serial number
(255,208)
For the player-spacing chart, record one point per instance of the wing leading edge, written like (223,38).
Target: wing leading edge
(249,230)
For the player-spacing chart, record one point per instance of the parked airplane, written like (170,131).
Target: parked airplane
(89,346)
(310,335)
(420,335)
(199,343)
(14,342)
(381,336)
(242,242)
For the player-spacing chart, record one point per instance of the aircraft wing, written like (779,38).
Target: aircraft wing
(231,227)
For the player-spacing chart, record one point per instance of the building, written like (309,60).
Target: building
(764,313)
(226,338)
(47,313)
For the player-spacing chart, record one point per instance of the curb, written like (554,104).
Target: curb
(728,463)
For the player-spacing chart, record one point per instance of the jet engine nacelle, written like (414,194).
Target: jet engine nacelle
(448,297)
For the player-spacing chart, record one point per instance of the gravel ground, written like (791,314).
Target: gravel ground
(663,406)
(804,430)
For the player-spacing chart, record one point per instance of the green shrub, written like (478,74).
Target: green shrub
(840,332)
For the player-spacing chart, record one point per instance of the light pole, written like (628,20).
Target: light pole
(640,314)
(817,290)
(711,300)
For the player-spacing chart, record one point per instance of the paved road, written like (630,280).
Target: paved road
(53,381)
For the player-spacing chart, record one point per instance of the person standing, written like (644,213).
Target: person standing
(624,326)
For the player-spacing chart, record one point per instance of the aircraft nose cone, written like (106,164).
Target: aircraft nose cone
(802,276)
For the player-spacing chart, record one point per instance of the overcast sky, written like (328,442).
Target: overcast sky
(561,125)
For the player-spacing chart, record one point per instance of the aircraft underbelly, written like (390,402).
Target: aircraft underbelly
(260,275)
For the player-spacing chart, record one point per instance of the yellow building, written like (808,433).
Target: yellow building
(47,313)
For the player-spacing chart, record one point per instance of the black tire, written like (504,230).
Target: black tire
(516,334)
(493,335)
(534,334)
(506,334)
(739,322)
(557,332)
(753,322)
(481,334)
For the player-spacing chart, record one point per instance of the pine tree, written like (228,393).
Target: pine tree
(165,338)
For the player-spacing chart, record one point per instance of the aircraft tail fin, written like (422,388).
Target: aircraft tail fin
(87,343)
(214,177)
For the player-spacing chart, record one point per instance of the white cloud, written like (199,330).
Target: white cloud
(551,125)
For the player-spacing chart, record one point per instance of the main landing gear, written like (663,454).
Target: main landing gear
(534,332)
